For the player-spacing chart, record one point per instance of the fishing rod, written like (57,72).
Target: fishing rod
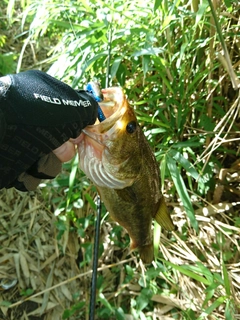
(92,304)
(94,88)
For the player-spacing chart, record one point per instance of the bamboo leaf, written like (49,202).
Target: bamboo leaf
(156,238)
(157,4)
(185,164)
(182,191)
(188,272)
(226,279)
(72,180)
(211,308)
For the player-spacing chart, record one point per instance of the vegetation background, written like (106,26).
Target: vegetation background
(171,59)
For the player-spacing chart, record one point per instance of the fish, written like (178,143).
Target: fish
(116,156)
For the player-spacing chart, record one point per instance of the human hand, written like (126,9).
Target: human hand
(38,116)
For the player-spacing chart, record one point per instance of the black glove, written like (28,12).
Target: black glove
(37,115)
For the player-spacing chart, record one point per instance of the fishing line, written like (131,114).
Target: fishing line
(89,88)
(101,117)
(109,54)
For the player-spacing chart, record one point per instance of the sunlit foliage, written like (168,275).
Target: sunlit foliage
(168,57)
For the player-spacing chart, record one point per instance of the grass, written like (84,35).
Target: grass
(194,277)
(169,59)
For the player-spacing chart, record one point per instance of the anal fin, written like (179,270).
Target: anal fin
(163,217)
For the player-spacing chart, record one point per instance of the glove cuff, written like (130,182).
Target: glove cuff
(25,182)
(47,167)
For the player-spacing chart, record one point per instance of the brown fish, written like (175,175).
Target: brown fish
(116,156)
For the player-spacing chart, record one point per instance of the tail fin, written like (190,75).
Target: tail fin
(146,253)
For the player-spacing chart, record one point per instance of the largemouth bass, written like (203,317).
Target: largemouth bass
(116,156)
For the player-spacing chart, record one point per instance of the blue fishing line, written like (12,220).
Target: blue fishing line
(101,115)
(97,96)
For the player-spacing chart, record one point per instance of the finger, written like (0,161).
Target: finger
(78,139)
(65,152)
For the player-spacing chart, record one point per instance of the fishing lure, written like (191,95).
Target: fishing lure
(93,87)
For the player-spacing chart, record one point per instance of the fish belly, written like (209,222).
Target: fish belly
(132,214)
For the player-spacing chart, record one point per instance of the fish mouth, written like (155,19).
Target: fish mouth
(92,148)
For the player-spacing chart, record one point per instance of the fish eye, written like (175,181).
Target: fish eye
(131,127)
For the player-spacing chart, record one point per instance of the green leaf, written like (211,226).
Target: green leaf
(119,313)
(90,201)
(182,191)
(5,303)
(148,51)
(144,117)
(155,131)
(72,180)
(143,299)
(105,302)
(229,310)
(228,4)
(157,4)
(185,164)
(7,63)
(27,292)
(75,308)
(115,66)
(200,12)
(226,279)
(163,171)
(156,238)
(188,272)
(10,9)
(208,297)
(145,61)
(121,74)
(204,315)
(167,21)
(201,269)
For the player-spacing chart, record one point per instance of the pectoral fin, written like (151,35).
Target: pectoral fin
(163,217)
(127,194)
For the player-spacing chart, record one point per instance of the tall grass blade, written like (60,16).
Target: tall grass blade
(182,191)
